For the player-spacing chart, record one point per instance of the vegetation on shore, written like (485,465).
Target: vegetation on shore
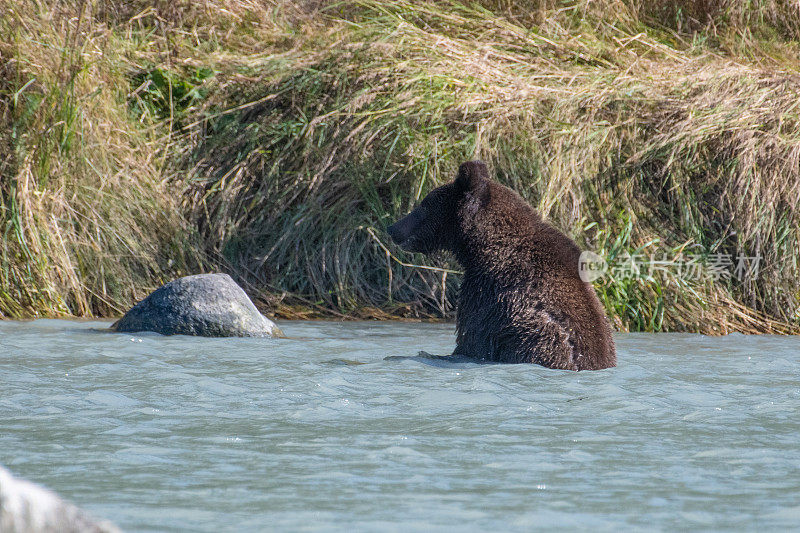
(276,140)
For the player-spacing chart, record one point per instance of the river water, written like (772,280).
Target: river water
(320,431)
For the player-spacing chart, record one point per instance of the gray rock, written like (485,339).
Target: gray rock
(29,508)
(207,305)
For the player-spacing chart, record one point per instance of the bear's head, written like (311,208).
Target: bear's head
(435,223)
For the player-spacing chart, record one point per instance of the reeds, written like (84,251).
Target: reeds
(298,131)
(88,224)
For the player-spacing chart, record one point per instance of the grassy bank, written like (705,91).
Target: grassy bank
(276,140)
(87,220)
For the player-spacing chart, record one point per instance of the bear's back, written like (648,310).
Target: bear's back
(522,299)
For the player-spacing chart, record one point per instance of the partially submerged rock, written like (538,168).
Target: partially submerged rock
(29,508)
(206,305)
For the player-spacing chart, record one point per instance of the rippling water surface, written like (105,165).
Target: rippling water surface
(322,431)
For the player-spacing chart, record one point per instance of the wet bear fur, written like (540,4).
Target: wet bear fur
(521,299)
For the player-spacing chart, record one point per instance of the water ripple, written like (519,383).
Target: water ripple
(348,426)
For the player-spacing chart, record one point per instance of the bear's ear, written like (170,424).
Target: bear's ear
(472,176)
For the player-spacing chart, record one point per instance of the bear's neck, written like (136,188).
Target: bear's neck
(497,258)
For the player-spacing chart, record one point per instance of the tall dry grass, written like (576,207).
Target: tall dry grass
(297,131)
(88,223)
(634,133)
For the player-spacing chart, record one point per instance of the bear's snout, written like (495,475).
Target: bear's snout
(394,232)
(402,230)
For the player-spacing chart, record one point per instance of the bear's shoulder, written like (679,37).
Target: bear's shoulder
(529,237)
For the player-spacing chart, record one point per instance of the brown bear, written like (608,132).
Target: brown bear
(522,299)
